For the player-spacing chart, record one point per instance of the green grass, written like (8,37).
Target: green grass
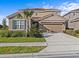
(20,49)
(21,39)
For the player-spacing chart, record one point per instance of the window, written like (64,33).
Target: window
(22,24)
(19,24)
(16,24)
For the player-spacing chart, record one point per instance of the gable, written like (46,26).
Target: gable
(15,16)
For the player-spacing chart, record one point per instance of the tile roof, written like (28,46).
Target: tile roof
(39,9)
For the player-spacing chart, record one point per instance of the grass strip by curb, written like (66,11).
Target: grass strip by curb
(20,49)
(21,39)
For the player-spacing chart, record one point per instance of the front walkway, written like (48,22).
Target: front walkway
(24,44)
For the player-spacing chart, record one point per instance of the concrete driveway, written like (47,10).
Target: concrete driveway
(60,42)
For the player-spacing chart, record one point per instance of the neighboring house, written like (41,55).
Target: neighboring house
(49,20)
(73,19)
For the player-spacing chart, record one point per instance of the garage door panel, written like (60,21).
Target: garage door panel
(55,28)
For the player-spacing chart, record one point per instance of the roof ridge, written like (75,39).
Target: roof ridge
(44,9)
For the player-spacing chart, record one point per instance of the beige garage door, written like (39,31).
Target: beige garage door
(55,28)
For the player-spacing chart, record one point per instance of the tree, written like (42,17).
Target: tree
(4,23)
(26,14)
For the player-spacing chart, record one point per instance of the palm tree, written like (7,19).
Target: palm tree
(29,14)
(26,14)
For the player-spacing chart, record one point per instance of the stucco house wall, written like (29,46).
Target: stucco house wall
(76,25)
(41,15)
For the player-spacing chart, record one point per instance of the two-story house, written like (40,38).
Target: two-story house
(49,20)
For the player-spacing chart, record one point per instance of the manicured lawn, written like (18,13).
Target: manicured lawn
(21,39)
(20,49)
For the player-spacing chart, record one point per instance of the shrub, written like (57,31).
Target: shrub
(71,32)
(70,28)
(31,32)
(34,32)
(77,31)
(18,34)
(38,35)
(7,33)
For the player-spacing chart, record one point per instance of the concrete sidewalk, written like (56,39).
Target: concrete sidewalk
(25,44)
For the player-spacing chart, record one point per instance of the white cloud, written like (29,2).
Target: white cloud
(66,7)
(44,5)
(1,17)
(47,6)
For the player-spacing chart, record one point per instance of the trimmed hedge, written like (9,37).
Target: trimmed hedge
(18,34)
(32,33)
(77,31)
(7,33)
(72,32)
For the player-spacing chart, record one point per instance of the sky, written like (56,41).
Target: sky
(8,7)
